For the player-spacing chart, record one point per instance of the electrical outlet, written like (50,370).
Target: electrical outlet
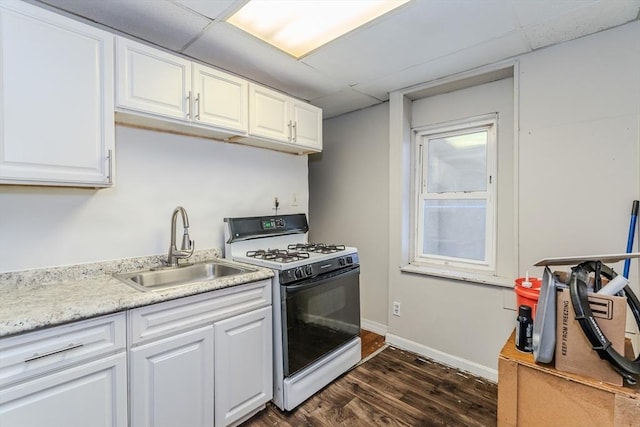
(396,308)
(294,199)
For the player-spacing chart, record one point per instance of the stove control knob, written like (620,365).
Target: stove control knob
(308,271)
(298,273)
(349,260)
(342,262)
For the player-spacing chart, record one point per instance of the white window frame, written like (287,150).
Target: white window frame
(420,137)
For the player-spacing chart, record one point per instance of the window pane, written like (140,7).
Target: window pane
(457,163)
(455,228)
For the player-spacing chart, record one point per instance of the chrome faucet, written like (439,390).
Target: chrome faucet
(187,247)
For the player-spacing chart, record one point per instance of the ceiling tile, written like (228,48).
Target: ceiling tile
(539,11)
(473,57)
(421,31)
(344,101)
(422,41)
(586,20)
(157,21)
(211,9)
(229,48)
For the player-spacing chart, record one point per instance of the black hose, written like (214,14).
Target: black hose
(599,342)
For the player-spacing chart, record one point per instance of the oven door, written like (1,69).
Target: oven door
(319,315)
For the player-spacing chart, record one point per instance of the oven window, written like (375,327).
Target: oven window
(321,315)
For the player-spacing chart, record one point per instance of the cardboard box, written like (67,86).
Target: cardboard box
(574,352)
(535,394)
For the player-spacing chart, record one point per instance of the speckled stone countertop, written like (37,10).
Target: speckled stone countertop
(35,299)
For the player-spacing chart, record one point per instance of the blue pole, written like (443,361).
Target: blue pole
(632,232)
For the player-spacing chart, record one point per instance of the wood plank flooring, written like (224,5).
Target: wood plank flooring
(370,343)
(393,388)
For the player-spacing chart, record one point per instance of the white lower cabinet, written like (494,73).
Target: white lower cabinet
(198,361)
(204,360)
(172,381)
(243,365)
(91,395)
(68,376)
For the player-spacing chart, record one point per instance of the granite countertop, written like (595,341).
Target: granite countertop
(36,299)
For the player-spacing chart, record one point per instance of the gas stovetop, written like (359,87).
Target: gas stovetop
(279,243)
(293,256)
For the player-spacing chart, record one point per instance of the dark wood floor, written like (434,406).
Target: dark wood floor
(370,343)
(393,388)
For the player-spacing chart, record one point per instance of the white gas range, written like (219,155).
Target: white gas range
(316,301)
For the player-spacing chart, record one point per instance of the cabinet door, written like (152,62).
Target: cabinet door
(56,99)
(269,114)
(307,128)
(90,395)
(171,381)
(243,365)
(220,99)
(152,81)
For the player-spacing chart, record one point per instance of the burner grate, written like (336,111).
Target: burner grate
(320,248)
(278,255)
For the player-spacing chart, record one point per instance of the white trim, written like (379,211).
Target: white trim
(477,76)
(420,140)
(516,165)
(374,327)
(465,276)
(445,358)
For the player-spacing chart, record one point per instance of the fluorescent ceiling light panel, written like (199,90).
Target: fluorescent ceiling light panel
(300,26)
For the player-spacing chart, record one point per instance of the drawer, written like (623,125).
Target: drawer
(165,318)
(35,353)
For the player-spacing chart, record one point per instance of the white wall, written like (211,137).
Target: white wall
(494,97)
(579,170)
(579,145)
(450,319)
(155,172)
(349,193)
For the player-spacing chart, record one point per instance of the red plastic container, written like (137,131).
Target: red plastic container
(528,296)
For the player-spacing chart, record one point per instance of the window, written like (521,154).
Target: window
(455,197)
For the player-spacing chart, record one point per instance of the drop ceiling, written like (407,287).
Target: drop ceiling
(421,41)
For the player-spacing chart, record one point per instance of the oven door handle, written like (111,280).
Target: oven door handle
(318,280)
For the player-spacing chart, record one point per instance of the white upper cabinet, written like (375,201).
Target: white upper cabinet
(168,92)
(162,84)
(220,98)
(153,81)
(307,125)
(56,99)
(279,117)
(269,114)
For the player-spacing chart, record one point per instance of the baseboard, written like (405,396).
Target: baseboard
(372,326)
(445,358)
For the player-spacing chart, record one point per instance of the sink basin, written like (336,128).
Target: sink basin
(170,277)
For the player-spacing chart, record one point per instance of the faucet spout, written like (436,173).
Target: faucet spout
(187,247)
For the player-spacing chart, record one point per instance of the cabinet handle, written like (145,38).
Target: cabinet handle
(290,124)
(189,106)
(110,166)
(52,352)
(295,132)
(197,102)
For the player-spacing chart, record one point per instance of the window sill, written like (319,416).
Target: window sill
(464,276)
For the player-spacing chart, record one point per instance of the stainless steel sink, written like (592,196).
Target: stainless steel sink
(169,277)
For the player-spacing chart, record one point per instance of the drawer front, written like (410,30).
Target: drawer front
(35,353)
(165,318)
(92,394)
